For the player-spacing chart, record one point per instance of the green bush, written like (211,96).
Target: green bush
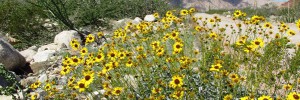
(21,21)
(290,14)
(11,82)
(78,13)
(118,9)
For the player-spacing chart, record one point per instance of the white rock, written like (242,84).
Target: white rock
(130,79)
(43,78)
(6,97)
(103,98)
(43,55)
(47,20)
(121,21)
(10,57)
(65,37)
(33,48)
(28,54)
(55,24)
(52,46)
(228,16)
(54,77)
(9,97)
(47,25)
(95,92)
(52,58)
(195,69)
(63,80)
(28,81)
(149,18)
(137,20)
(102,91)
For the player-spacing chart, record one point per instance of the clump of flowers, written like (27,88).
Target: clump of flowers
(182,56)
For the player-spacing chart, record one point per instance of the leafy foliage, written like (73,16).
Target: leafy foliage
(22,21)
(10,80)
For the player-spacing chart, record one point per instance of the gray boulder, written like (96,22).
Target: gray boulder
(64,38)
(10,57)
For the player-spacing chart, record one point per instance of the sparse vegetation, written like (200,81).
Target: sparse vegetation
(178,56)
(24,19)
(183,57)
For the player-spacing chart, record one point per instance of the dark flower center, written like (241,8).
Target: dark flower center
(216,67)
(241,42)
(178,94)
(112,55)
(81,85)
(87,77)
(173,34)
(99,56)
(75,60)
(118,91)
(296,96)
(178,46)
(176,81)
(257,42)
(233,76)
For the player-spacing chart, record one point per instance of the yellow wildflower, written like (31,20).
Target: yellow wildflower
(215,67)
(117,91)
(177,81)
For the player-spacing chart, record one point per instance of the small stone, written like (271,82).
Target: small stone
(149,18)
(195,69)
(43,78)
(63,80)
(137,20)
(65,37)
(43,55)
(28,54)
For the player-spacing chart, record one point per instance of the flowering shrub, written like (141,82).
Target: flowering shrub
(184,56)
